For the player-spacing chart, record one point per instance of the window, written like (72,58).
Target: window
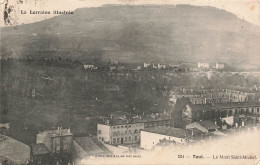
(117,140)
(122,126)
(114,127)
(129,138)
(118,127)
(135,138)
(257,110)
(125,138)
(230,112)
(99,131)
(114,140)
(136,131)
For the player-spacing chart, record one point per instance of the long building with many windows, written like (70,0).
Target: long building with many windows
(196,112)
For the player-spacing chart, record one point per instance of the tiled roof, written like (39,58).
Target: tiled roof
(208,124)
(201,107)
(140,119)
(38,149)
(14,150)
(219,106)
(149,118)
(236,105)
(118,121)
(54,133)
(91,146)
(165,142)
(170,131)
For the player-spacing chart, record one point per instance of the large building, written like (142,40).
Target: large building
(58,142)
(196,112)
(119,133)
(151,137)
(124,128)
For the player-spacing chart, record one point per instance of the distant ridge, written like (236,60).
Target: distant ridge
(149,33)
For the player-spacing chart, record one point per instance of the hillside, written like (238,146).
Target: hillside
(137,33)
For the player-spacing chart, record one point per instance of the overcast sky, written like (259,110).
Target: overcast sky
(244,9)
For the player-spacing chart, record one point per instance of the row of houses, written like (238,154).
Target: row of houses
(114,67)
(209,96)
(196,112)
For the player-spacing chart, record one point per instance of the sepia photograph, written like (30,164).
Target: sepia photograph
(130,82)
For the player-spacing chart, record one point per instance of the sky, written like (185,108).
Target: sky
(248,10)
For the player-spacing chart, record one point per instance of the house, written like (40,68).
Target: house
(203,65)
(228,120)
(204,126)
(146,65)
(114,62)
(13,151)
(84,147)
(161,66)
(40,154)
(120,68)
(220,65)
(112,68)
(119,132)
(58,142)
(89,67)
(151,137)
